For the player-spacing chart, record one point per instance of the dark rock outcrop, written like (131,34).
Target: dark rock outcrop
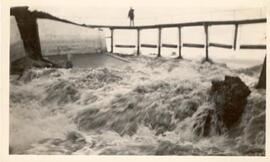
(262,80)
(26,63)
(230,97)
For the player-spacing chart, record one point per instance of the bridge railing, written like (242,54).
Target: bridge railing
(180,26)
(19,11)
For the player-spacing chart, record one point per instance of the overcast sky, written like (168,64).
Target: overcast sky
(147,11)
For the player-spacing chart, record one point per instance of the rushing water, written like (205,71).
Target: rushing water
(146,107)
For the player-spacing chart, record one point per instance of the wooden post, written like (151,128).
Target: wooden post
(235,36)
(179,43)
(206,41)
(112,39)
(138,42)
(159,42)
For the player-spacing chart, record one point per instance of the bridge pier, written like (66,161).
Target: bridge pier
(179,43)
(138,41)
(235,36)
(159,42)
(112,30)
(28,28)
(206,42)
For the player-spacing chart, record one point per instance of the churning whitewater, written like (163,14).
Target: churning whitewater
(146,107)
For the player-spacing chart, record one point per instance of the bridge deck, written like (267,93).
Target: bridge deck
(184,24)
(197,23)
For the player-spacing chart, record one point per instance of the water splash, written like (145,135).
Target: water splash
(149,106)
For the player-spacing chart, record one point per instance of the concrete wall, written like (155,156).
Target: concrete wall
(57,38)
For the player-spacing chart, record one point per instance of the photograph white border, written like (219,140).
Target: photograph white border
(4,86)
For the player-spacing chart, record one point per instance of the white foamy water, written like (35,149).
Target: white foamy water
(146,107)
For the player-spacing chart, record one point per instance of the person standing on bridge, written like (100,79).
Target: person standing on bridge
(131,16)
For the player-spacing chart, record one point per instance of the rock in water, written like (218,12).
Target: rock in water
(230,97)
(26,63)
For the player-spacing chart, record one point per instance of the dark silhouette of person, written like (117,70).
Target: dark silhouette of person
(131,16)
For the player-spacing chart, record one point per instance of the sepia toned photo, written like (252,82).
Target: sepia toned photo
(137,78)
